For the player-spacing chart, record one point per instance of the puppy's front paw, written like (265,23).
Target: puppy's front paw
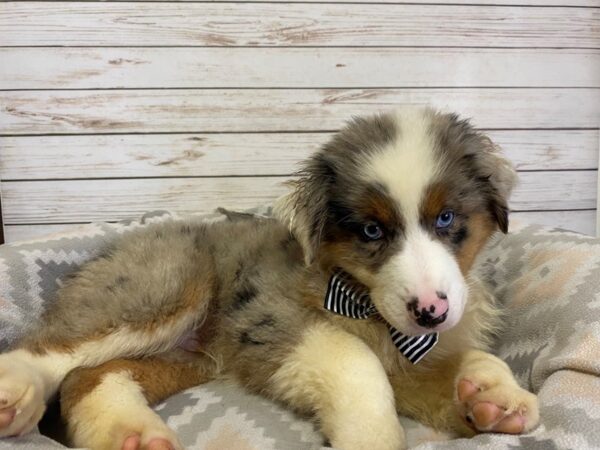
(21,396)
(495,403)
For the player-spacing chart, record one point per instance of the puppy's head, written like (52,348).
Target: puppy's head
(403,202)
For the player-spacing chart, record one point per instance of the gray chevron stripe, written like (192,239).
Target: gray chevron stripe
(271,420)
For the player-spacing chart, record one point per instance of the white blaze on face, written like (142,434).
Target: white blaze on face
(408,164)
(423,266)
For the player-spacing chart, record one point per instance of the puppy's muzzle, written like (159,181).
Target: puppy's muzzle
(429,310)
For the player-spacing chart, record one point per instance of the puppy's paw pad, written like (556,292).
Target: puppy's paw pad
(500,408)
(21,397)
(144,442)
(6,417)
(131,443)
(134,442)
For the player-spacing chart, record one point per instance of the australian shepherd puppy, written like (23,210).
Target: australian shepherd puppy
(358,303)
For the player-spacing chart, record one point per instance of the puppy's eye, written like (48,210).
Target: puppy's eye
(444,219)
(372,231)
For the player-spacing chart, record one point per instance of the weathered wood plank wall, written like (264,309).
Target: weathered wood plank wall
(108,109)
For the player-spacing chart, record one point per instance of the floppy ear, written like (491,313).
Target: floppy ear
(501,178)
(304,209)
(494,174)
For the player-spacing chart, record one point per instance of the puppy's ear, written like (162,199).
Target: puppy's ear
(501,178)
(304,209)
(494,174)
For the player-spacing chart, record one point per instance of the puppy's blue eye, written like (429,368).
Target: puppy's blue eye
(445,219)
(372,231)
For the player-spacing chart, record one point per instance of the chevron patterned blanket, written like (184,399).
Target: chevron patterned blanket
(549,281)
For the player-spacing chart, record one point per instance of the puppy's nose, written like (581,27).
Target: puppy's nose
(429,309)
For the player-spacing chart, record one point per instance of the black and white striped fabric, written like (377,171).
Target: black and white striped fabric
(349,299)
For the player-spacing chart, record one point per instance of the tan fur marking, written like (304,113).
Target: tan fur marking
(341,254)
(428,397)
(435,201)
(158,378)
(379,206)
(480,229)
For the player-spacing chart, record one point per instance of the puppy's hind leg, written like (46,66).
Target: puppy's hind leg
(107,407)
(127,304)
(337,376)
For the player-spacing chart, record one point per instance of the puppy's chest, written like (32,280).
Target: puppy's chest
(376,335)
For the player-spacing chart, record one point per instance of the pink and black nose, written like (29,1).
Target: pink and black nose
(429,310)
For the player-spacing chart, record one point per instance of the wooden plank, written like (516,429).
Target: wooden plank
(566,3)
(583,221)
(154,155)
(294,24)
(83,68)
(188,110)
(549,149)
(90,200)
(555,191)
(580,221)
(110,156)
(93,200)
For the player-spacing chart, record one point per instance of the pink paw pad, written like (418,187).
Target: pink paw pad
(6,417)
(131,443)
(134,443)
(486,415)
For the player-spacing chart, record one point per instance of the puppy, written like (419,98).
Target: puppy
(357,304)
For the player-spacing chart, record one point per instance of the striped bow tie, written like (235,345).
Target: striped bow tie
(348,299)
